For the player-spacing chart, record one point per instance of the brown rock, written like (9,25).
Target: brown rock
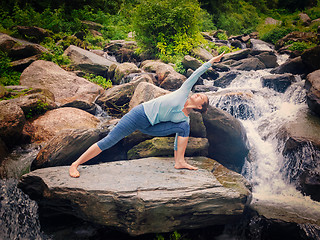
(65,86)
(51,123)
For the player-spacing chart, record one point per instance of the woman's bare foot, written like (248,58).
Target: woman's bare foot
(184,165)
(73,172)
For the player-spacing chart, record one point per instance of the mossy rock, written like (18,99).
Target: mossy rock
(163,146)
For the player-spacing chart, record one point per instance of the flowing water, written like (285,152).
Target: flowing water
(263,111)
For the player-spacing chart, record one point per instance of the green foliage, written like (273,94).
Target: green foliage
(41,108)
(168,27)
(55,53)
(275,34)
(222,36)
(301,46)
(99,80)
(7,75)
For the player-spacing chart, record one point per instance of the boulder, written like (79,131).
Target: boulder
(7,43)
(278,82)
(115,45)
(201,53)
(202,88)
(22,64)
(311,58)
(88,61)
(302,153)
(269,59)
(313,91)
(227,138)
(65,86)
(271,21)
(52,122)
(294,66)
(93,25)
(123,70)
(166,76)
(142,196)
(238,55)
(197,128)
(249,64)
(145,91)
(67,146)
(305,19)
(163,146)
(33,33)
(258,44)
(191,62)
(35,102)
(226,79)
(116,100)
(26,50)
(12,121)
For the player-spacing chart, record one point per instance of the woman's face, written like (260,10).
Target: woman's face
(198,99)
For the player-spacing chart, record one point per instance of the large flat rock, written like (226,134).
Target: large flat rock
(143,196)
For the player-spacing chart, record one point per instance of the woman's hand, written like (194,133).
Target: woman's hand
(216,59)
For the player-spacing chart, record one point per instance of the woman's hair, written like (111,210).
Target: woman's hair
(204,108)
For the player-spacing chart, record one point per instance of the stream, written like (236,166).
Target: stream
(262,112)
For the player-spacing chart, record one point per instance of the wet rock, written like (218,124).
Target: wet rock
(269,59)
(278,82)
(52,122)
(143,196)
(163,146)
(236,43)
(116,99)
(197,128)
(238,55)
(66,86)
(302,151)
(33,33)
(311,58)
(12,121)
(18,214)
(123,70)
(228,137)
(313,91)
(220,67)
(225,80)
(249,64)
(202,88)
(294,66)
(88,61)
(202,53)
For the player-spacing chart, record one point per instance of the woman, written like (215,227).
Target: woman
(162,116)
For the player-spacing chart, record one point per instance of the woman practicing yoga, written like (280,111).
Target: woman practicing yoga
(161,116)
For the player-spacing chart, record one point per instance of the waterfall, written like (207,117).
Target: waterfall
(263,111)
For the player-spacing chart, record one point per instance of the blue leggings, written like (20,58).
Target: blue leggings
(136,119)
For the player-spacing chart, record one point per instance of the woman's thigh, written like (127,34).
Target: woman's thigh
(168,128)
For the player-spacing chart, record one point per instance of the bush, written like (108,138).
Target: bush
(7,75)
(168,27)
(99,80)
(276,33)
(301,46)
